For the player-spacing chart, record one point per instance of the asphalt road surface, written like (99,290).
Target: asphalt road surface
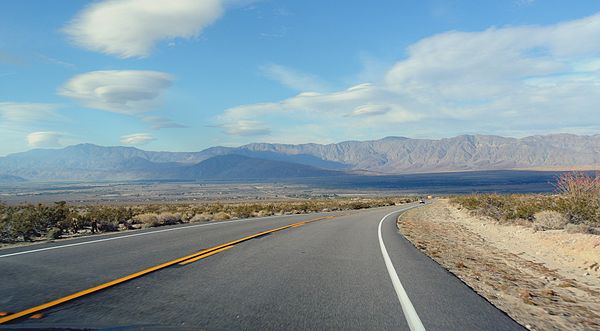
(341,270)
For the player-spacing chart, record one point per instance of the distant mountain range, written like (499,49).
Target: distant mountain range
(8,179)
(391,155)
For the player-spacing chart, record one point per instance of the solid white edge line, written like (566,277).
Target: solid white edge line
(137,234)
(414,322)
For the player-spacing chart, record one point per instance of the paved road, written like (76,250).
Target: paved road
(327,274)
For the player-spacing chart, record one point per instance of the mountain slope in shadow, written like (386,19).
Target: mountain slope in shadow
(235,166)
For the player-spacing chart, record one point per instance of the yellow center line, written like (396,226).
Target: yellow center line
(192,257)
(205,255)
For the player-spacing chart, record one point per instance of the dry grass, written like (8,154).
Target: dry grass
(549,220)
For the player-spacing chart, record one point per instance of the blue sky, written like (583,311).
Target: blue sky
(183,75)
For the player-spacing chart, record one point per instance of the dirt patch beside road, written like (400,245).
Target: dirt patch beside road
(544,280)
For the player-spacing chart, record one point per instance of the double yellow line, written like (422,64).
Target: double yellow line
(181,261)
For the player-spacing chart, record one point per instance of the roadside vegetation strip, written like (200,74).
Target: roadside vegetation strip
(183,260)
(30,223)
(109,239)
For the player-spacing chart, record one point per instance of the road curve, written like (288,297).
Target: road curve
(328,274)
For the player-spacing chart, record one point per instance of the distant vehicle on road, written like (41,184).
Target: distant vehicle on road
(421,201)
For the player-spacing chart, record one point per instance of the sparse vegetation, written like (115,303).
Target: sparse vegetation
(575,205)
(549,220)
(20,223)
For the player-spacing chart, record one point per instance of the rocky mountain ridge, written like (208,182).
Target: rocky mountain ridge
(391,155)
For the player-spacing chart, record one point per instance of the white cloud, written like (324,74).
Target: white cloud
(158,122)
(136,139)
(122,91)
(131,28)
(245,128)
(293,79)
(334,112)
(370,110)
(25,112)
(518,80)
(44,139)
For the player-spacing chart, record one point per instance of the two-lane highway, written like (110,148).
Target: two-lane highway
(325,271)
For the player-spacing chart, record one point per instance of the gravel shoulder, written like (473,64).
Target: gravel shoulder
(546,280)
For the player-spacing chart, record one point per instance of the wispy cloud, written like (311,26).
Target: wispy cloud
(26,112)
(45,139)
(131,28)
(293,79)
(277,33)
(522,79)
(245,128)
(159,122)
(121,91)
(51,60)
(370,110)
(136,139)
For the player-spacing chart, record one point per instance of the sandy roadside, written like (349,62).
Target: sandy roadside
(544,280)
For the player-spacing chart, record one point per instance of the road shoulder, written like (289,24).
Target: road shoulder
(535,294)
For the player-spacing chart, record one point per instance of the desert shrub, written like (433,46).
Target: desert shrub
(166,218)
(549,220)
(470,202)
(263,213)
(108,218)
(221,216)
(580,197)
(579,228)
(27,224)
(147,219)
(54,233)
(72,224)
(242,211)
(186,216)
(359,205)
(199,218)
(507,208)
